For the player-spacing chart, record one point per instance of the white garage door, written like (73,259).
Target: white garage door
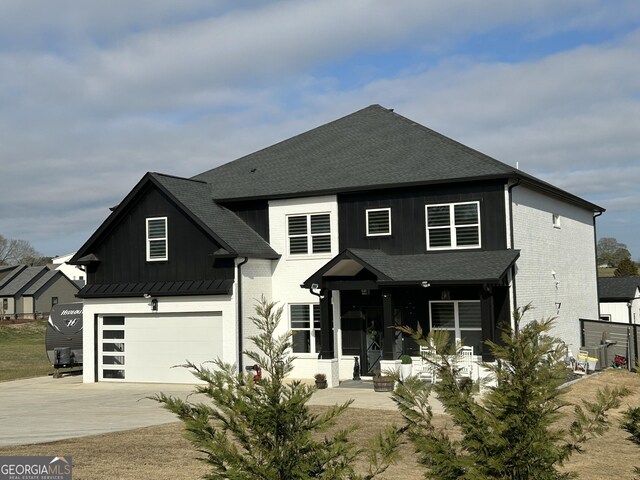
(143,348)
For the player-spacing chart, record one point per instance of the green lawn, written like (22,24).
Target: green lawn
(22,351)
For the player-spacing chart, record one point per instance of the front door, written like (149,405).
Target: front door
(362,332)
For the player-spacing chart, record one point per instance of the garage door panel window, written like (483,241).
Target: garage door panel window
(113,346)
(461,318)
(305,327)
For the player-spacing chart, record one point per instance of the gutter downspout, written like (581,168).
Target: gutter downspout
(513,247)
(240,344)
(595,242)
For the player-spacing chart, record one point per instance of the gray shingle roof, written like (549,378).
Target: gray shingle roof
(9,273)
(22,280)
(43,280)
(618,288)
(370,149)
(454,267)
(195,196)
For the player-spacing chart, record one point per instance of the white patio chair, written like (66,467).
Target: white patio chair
(464,362)
(428,370)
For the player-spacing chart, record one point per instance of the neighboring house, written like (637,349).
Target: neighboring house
(353,227)
(74,272)
(30,291)
(619,299)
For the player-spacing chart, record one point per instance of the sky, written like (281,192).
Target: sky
(95,94)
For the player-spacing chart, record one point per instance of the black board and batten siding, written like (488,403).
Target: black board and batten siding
(122,250)
(253,213)
(408,215)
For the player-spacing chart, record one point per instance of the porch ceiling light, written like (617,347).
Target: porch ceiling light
(425,284)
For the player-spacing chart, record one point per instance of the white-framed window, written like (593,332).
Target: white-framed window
(462,318)
(304,319)
(157,241)
(378,222)
(453,225)
(309,234)
(555,218)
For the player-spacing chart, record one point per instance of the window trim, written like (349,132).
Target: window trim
(452,227)
(456,319)
(369,210)
(165,238)
(308,235)
(311,329)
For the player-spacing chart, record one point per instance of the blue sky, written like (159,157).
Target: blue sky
(95,94)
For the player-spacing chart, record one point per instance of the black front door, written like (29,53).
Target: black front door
(362,332)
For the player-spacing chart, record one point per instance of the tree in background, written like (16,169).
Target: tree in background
(16,252)
(611,252)
(632,425)
(264,429)
(626,268)
(513,433)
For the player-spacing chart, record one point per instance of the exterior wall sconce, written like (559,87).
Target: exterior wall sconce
(558,305)
(364,291)
(154,305)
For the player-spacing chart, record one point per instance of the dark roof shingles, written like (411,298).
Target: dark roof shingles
(618,288)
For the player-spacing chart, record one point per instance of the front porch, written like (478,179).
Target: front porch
(365,294)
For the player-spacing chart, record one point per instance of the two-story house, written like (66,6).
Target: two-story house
(358,225)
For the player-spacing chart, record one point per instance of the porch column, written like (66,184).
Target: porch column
(326,326)
(388,334)
(487,320)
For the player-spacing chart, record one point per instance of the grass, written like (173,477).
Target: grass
(162,453)
(607,272)
(22,351)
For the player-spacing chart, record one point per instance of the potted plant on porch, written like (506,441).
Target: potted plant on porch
(321,380)
(406,365)
(382,383)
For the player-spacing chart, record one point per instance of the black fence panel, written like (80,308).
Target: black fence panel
(610,339)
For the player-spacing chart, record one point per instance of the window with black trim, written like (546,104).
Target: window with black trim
(54,301)
(453,226)
(461,318)
(309,234)
(305,327)
(5,304)
(378,222)
(157,241)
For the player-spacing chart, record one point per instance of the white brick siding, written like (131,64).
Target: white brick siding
(569,251)
(291,271)
(256,282)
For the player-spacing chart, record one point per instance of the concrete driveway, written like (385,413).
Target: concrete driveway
(45,409)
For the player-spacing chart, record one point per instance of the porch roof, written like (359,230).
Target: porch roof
(460,267)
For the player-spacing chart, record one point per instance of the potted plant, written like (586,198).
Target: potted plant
(406,364)
(382,383)
(321,380)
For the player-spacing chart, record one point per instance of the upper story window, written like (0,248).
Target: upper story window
(378,222)
(453,225)
(157,242)
(309,234)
